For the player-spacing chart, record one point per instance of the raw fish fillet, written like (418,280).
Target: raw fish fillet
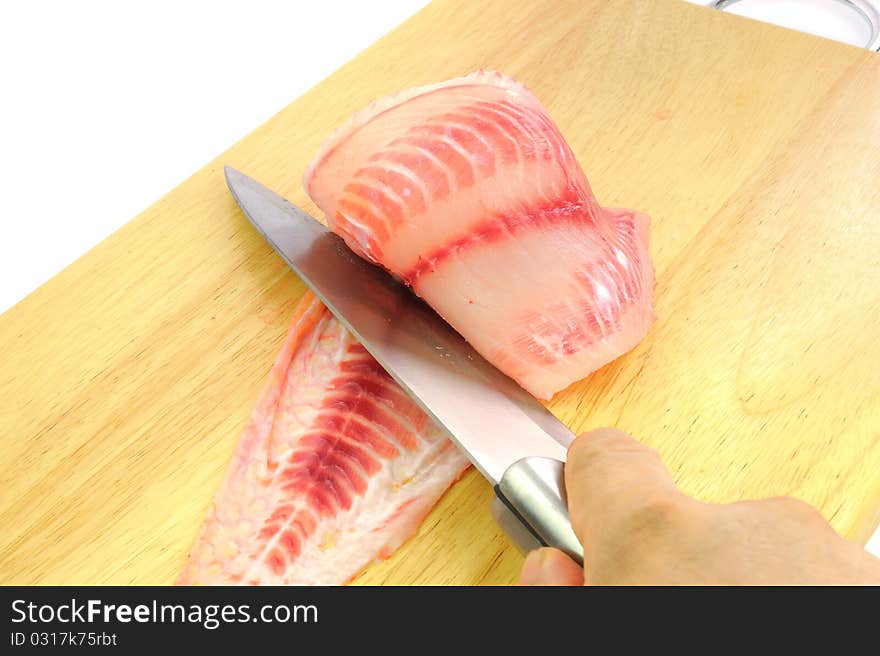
(467,191)
(336,468)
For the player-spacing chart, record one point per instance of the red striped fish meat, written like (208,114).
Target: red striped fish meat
(337,468)
(467,191)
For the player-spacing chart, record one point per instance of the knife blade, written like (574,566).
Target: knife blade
(516,443)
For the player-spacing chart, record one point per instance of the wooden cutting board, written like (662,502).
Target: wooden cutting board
(126,380)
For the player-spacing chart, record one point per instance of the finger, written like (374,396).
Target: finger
(608,477)
(550,567)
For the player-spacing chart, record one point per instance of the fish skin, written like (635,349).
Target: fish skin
(337,468)
(467,192)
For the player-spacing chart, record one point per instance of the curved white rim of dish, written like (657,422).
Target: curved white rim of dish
(867,9)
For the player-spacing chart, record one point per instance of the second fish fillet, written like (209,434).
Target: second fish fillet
(337,468)
(466,191)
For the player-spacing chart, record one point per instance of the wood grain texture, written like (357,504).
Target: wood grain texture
(127,379)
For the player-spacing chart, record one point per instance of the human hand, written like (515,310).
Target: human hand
(637,527)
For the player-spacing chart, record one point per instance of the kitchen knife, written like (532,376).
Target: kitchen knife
(516,443)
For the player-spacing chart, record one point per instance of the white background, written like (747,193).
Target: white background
(108,105)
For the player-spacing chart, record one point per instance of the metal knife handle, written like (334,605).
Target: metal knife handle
(533,493)
(517,532)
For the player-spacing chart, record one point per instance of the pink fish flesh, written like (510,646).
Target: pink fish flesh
(467,191)
(337,468)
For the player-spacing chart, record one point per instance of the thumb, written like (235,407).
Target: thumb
(609,478)
(550,567)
